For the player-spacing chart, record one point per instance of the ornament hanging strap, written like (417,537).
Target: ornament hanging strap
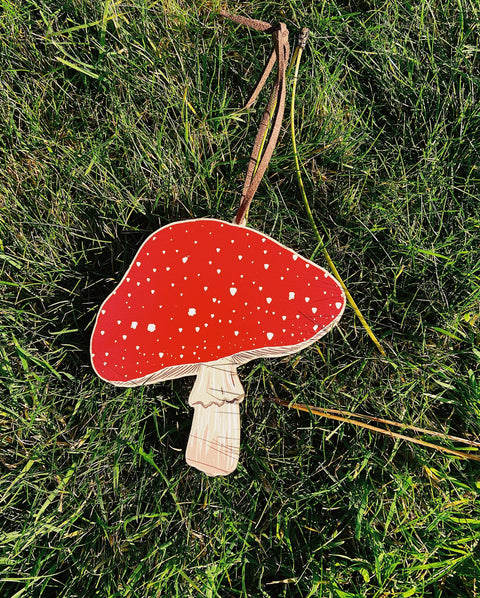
(276,104)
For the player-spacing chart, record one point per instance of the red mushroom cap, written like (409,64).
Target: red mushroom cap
(204,290)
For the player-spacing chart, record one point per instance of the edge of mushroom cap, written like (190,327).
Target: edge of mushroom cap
(237,359)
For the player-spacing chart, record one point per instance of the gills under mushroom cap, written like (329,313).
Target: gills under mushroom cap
(204,290)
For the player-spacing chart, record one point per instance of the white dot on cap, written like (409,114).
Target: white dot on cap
(151,328)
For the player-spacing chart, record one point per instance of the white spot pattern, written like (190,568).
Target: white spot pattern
(297,325)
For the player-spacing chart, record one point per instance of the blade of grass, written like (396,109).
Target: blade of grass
(297,57)
(103,28)
(81,68)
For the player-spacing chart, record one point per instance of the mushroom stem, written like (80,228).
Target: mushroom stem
(214,442)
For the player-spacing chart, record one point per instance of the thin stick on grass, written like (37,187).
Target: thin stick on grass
(416,429)
(329,415)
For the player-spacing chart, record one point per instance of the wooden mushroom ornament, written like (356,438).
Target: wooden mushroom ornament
(201,298)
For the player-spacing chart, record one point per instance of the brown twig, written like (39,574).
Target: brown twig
(332,414)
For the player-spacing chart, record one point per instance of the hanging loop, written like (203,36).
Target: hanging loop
(275,107)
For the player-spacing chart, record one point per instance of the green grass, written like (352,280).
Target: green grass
(117,118)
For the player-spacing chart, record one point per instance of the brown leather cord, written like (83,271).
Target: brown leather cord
(276,104)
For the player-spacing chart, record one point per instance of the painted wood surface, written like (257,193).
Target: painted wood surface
(202,297)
